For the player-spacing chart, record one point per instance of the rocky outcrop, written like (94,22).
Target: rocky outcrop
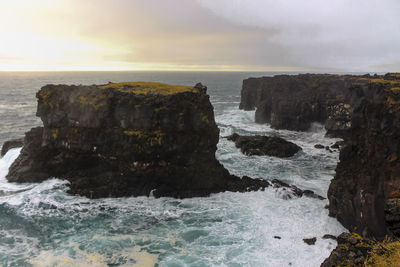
(352,250)
(293,102)
(264,145)
(365,193)
(129,139)
(14,143)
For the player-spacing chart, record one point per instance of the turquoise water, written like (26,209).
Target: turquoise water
(41,225)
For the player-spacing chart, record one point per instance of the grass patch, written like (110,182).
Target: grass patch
(147,87)
(385,253)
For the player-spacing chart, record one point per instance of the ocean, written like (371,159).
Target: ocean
(41,225)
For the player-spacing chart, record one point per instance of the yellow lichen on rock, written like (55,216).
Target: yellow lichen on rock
(54,133)
(149,138)
(205,119)
(147,87)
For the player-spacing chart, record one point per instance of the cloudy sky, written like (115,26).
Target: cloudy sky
(251,35)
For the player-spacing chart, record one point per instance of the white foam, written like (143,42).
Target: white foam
(226,229)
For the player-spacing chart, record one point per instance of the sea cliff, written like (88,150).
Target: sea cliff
(365,110)
(293,102)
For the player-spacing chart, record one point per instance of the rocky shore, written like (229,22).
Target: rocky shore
(365,110)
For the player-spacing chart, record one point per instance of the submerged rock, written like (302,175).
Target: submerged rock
(310,241)
(328,236)
(264,145)
(14,143)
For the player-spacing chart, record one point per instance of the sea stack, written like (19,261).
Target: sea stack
(127,139)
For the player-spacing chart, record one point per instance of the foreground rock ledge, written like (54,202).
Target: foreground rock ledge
(127,139)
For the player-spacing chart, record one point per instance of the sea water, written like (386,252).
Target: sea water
(41,225)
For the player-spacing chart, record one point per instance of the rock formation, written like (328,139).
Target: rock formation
(264,145)
(293,102)
(352,250)
(365,193)
(11,144)
(129,139)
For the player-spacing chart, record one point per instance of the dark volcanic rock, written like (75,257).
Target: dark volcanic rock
(352,250)
(293,190)
(310,241)
(328,236)
(364,195)
(264,145)
(127,139)
(319,146)
(293,102)
(11,144)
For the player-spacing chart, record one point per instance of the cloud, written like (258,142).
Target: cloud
(356,35)
(337,33)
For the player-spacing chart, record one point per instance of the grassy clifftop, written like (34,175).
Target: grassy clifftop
(149,87)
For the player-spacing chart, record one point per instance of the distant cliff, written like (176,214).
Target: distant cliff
(127,139)
(293,102)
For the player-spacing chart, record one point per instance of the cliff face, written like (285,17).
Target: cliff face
(126,139)
(293,102)
(365,193)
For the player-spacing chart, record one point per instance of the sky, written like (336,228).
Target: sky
(201,35)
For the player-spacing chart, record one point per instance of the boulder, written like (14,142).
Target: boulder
(310,241)
(264,145)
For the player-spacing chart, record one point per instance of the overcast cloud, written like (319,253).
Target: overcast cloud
(315,35)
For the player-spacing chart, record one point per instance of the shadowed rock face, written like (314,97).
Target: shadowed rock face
(364,195)
(293,102)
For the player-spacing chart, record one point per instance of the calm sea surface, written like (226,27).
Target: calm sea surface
(41,225)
